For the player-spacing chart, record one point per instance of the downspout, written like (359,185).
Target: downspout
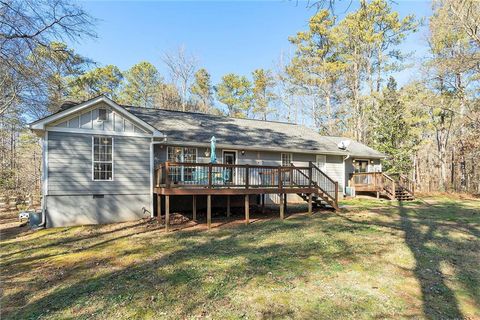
(152,173)
(344,174)
(44,142)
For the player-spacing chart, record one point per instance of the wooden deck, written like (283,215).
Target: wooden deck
(183,178)
(394,187)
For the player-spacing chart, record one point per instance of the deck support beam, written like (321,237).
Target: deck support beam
(247,209)
(282,207)
(159,208)
(310,199)
(228,207)
(167,213)
(209,211)
(194,208)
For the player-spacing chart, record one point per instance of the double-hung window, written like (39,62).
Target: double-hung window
(102,158)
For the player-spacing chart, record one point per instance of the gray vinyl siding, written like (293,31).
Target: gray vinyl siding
(72,210)
(334,169)
(70,165)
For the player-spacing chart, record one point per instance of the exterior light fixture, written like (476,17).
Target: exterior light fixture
(243,152)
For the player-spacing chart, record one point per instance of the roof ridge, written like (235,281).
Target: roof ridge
(213,115)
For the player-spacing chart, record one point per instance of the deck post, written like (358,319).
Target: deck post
(228,206)
(194,208)
(209,175)
(310,173)
(336,193)
(159,208)
(310,199)
(247,209)
(209,211)
(247,176)
(285,203)
(262,198)
(167,213)
(167,175)
(282,208)
(280,178)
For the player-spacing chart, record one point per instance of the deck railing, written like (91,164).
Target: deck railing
(381,182)
(217,175)
(322,181)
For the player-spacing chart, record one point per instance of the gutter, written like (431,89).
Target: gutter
(250,148)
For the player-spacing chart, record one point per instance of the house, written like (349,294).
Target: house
(104,162)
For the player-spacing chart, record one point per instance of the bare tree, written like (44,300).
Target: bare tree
(25,26)
(182,67)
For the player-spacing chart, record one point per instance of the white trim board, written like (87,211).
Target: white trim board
(98,132)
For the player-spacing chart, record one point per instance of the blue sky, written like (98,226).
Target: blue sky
(237,36)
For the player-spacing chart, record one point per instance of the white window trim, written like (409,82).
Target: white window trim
(93,157)
(286,153)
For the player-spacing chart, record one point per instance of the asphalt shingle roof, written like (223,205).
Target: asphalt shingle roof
(253,134)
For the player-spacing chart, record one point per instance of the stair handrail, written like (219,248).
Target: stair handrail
(334,197)
(406,183)
(391,183)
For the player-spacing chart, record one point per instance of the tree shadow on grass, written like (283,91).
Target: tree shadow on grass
(203,270)
(438,299)
(428,234)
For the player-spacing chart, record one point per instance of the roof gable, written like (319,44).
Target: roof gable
(83,115)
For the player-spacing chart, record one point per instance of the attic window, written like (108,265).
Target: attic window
(102,114)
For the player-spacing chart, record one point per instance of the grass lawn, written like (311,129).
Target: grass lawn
(374,259)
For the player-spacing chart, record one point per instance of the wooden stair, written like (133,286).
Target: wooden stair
(326,190)
(401,189)
(402,194)
(319,201)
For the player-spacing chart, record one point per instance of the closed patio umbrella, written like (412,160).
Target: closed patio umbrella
(213,154)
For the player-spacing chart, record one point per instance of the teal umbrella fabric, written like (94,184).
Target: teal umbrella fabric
(213,154)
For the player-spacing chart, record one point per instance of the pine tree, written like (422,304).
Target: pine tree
(236,93)
(142,85)
(263,83)
(391,133)
(202,90)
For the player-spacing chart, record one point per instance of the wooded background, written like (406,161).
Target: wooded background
(338,81)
